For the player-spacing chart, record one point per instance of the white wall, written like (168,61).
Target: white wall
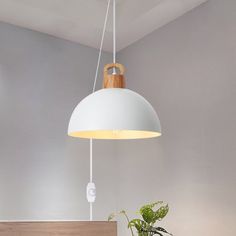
(187,70)
(43,173)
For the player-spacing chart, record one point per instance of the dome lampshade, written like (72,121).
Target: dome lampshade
(114,112)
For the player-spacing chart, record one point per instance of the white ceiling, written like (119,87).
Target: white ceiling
(82,20)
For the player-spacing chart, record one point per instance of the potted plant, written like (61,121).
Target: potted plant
(149,216)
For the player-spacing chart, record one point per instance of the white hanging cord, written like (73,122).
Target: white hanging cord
(101,45)
(114,31)
(114,35)
(91,189)
(91,176)
(91,161)
(90,211)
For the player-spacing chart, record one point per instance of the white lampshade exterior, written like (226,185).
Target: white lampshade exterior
(114,113)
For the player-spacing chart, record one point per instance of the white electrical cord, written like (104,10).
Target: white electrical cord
(91,161)
(101,45)
(91,189)
(114,31)
(91,177)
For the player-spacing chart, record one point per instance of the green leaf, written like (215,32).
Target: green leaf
(138,224)
(150,206)
(111,217)
(147,212)
(161,212)
(158,230)
(151,231)
(148,215)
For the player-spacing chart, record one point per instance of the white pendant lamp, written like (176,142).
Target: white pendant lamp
(114,112)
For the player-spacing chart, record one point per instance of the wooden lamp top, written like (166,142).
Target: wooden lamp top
(114,80)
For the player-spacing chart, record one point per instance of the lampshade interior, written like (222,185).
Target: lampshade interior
(115,134)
